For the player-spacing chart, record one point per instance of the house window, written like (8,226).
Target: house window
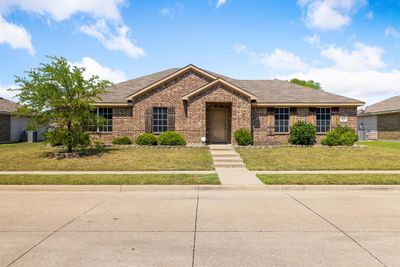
(105,124)
(160,120)
(282,120)
(323,120)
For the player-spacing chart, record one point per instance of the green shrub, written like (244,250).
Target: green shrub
(146,139)
(61,137)
(171,138)
(124,140)
(302,133)
(243,137)
(340,136)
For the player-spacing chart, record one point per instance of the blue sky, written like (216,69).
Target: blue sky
(352,47)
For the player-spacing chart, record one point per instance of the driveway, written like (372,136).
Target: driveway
(186,226)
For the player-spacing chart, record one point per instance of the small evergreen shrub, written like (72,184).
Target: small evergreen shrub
(146,139)
(243,137)
(171,138)
(124,140)
(340,136)
(302,133)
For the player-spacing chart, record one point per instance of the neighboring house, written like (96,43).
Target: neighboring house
(208,108)
(11,126)
(381,120)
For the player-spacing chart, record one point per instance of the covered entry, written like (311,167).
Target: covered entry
(219,123)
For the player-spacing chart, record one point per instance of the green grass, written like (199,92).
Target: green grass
(103,179)
(329,179)
(34,157)
(378,156)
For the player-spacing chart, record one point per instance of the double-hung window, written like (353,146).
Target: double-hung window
(160,120)
(323,120)
(104,124)
(282,120)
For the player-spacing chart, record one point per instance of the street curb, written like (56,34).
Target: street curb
(155,188)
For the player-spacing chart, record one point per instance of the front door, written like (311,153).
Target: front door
(219,126)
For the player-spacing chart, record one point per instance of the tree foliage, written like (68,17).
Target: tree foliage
(57,94)
(310,83)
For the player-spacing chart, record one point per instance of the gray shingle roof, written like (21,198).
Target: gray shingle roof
(389,105)
(7,106)
(267,91)
(118,92)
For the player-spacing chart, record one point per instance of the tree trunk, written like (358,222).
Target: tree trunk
(69,141)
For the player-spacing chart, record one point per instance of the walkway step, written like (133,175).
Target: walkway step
(227,159)
(230,165)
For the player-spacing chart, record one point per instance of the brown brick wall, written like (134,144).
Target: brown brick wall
(389,126)
(190,116)
(263,121)
(5,123)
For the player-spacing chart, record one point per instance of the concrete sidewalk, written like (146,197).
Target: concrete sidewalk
(102,172)
(200,226)
(331,172)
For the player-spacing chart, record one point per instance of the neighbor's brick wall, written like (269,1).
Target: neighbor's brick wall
(389,126)
(5,123)
(263,121)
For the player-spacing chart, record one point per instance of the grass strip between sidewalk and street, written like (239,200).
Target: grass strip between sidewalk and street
(330,179)
(114,179)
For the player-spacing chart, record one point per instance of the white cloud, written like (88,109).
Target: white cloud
(15,36)
(117,41)
(220,3)
(356,73)
(166,12)
(10,95)
(63,9)
(312,39)
(281,60)
(370,15)
(239,48)
(94,68)
(392,32)
(329,14)
(363,57)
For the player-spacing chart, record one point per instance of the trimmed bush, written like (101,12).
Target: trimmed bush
(302,133)
(243,137)
(171,138)
(340,136)
(146,139)
(124,140)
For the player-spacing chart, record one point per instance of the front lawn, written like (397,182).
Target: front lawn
(34,157)
(104,179)
(329,179)
(378,156)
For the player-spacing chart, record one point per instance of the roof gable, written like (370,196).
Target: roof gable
(170,77)
(219,81)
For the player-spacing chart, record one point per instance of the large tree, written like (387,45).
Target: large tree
(57,94)
(310,83)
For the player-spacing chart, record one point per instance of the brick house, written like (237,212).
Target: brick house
(381,120)
(12,126)
(208,108)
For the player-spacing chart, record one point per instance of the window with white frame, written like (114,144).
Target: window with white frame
(323,120)
(160,120)
(105,123)
(282,120)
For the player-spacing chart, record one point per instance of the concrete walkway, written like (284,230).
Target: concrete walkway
(230,167)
